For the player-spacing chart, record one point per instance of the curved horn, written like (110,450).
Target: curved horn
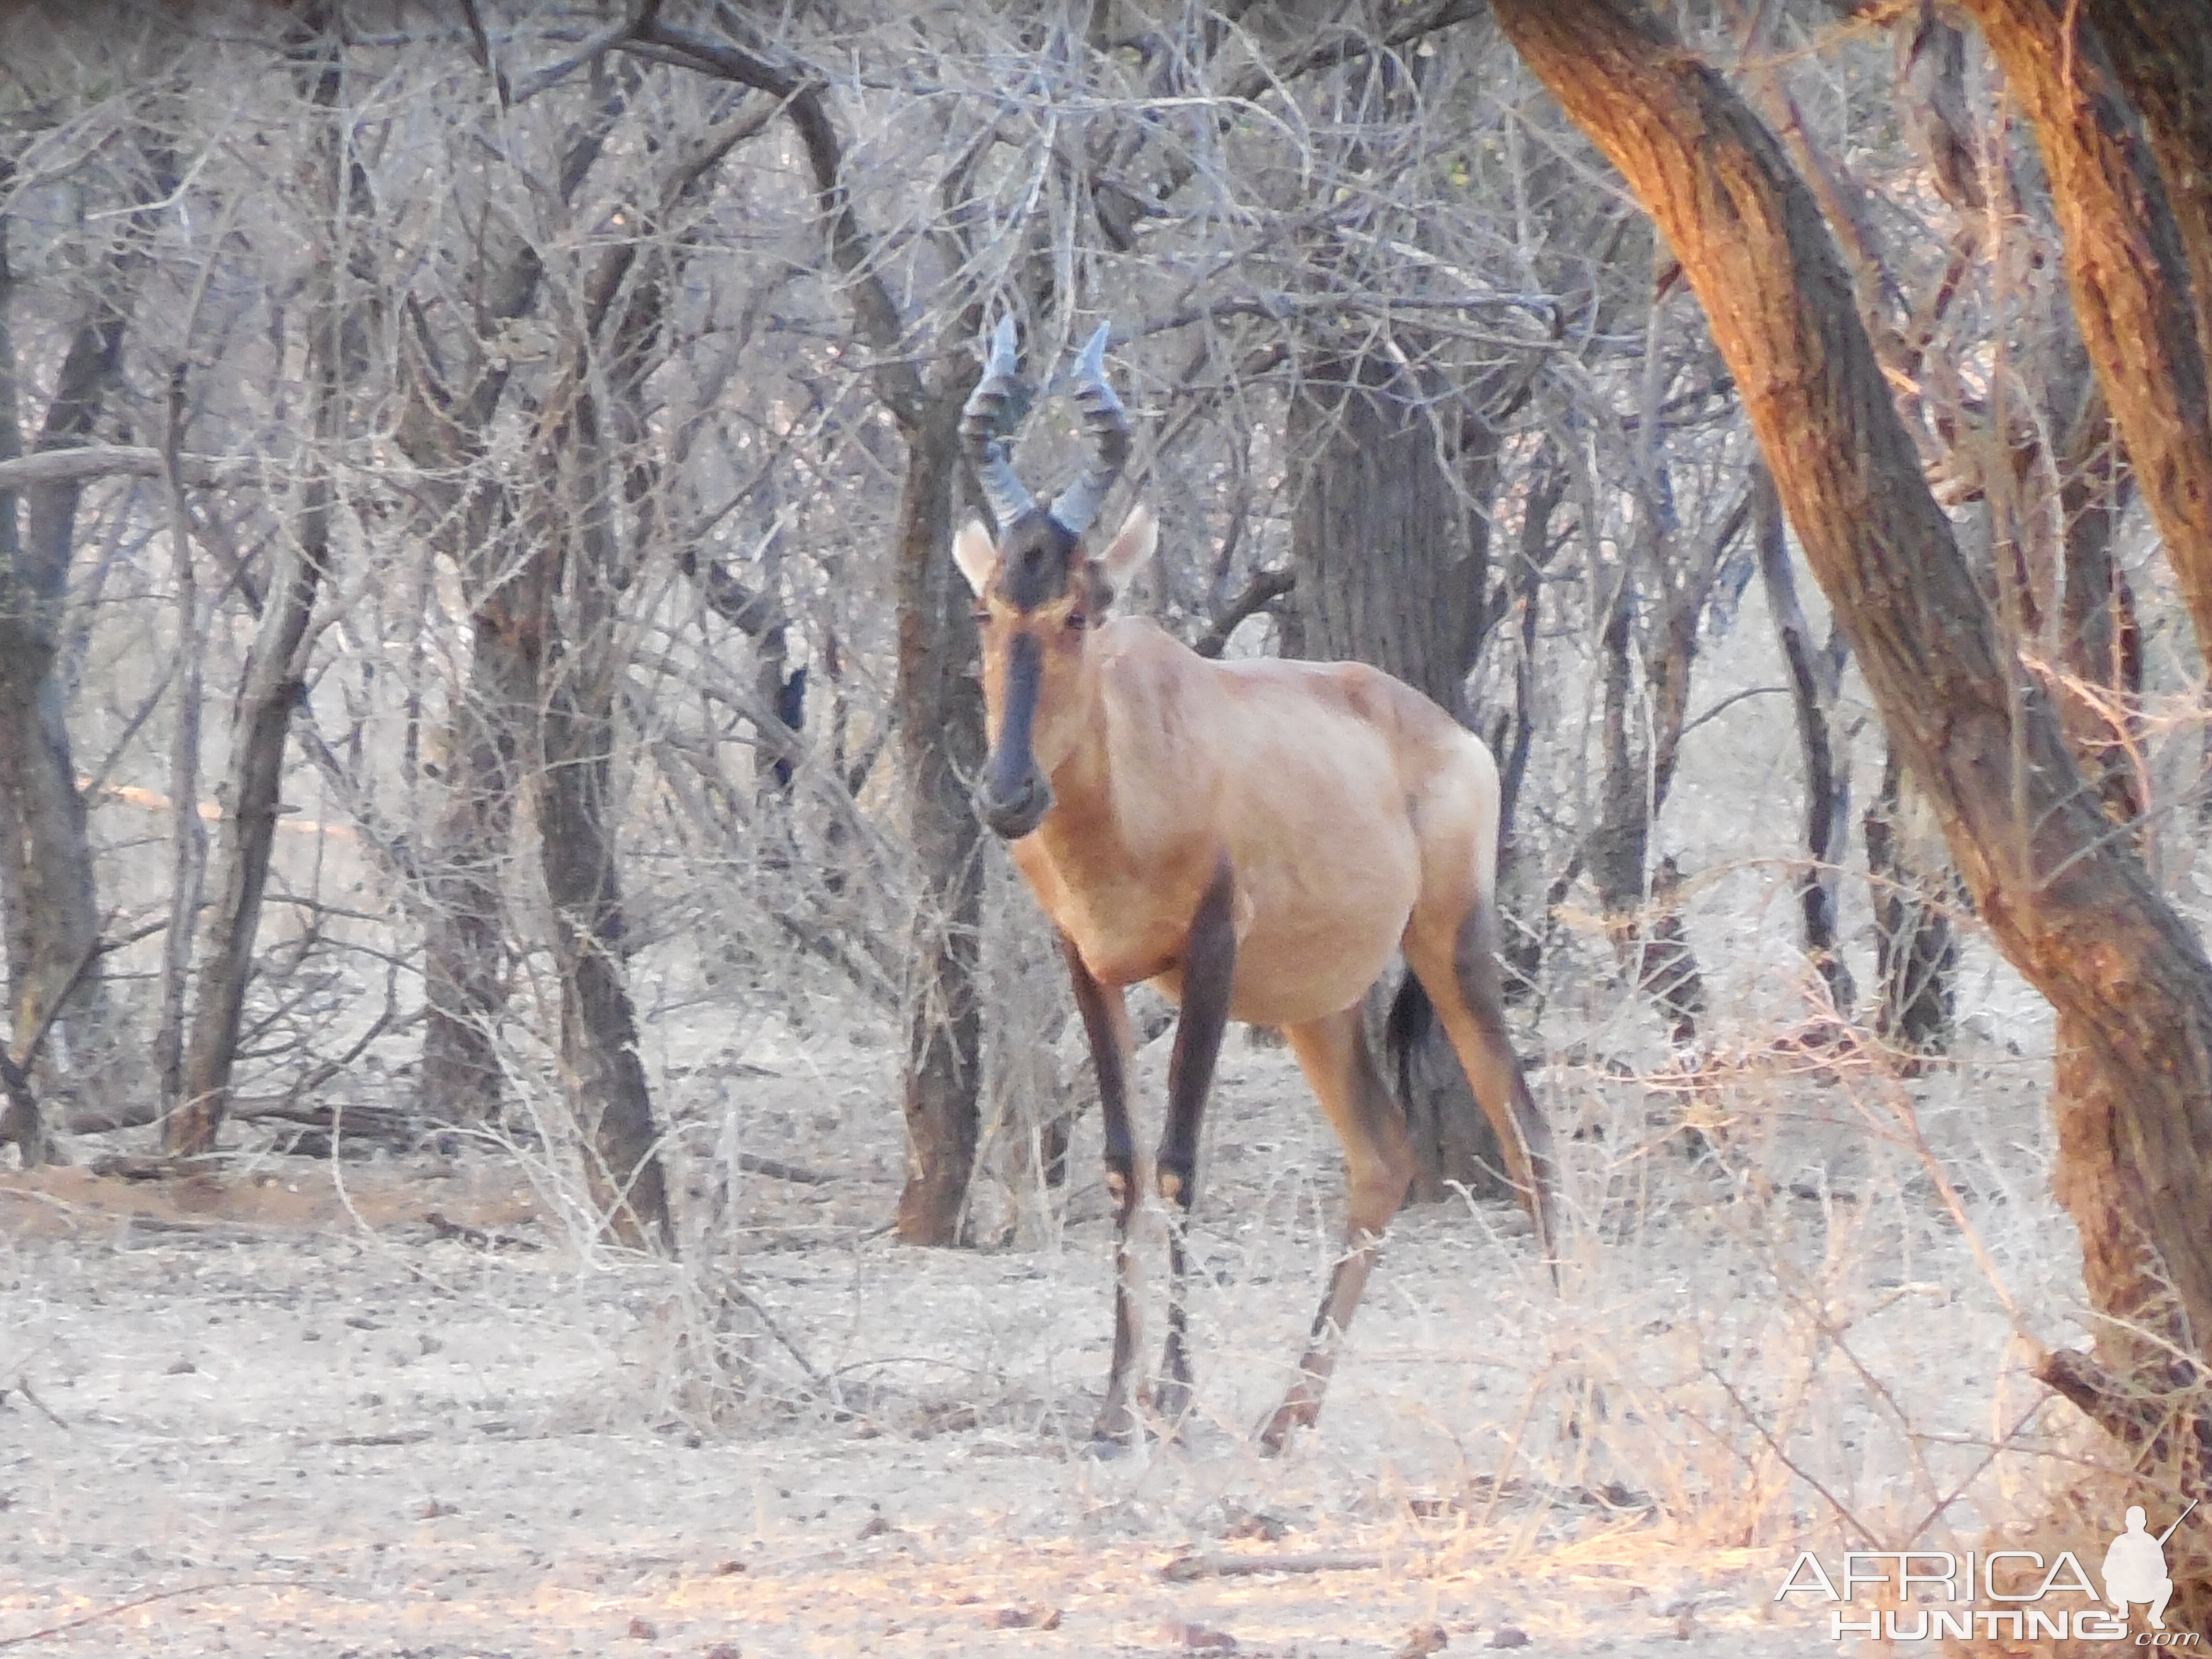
(994,411)
(1079,504)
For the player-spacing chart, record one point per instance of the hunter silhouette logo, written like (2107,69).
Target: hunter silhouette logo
(2135,1567)
(2021,1594)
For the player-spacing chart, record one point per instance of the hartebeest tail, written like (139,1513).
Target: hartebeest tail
(1255,838)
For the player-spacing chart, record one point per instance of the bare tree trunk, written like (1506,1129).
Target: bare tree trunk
(188,834)
(2068,902)
(1931,74)
(2099,643)
(456,387)
(576,819)
(275,680)
(608,1093)
(939,709)
(2125,260)
(1390,567)
(1528,914)
(1815,673)
(940,736)
(464,937)
(466,932)
(2162,50)
(1642,917)
(275,675)
(1915,957)
(1617,850)
(46,878)
(596,435)
(1521,602)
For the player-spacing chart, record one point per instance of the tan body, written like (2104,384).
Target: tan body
(1257,838)
(1338,796)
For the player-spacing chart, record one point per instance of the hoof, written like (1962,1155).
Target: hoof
(1117,1430)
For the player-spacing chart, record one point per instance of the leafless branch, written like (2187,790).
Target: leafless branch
(1262,591)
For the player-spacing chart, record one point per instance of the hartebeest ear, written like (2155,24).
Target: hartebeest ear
(1127,553)
(977,555)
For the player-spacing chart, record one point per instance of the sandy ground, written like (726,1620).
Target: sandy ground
(282,1413)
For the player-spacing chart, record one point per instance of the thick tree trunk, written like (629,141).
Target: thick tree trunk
(445,430)
(2162,51)
(2125,255)
(1391,568)
(940,737)
(46,878)
(1815,675)
(2068,903)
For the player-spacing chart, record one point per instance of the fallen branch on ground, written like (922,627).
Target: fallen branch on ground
(1185,1568)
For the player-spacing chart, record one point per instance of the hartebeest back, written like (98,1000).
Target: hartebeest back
(1255,838)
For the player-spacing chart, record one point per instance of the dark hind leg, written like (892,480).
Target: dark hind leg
(1209,964)
(1106,1022)
(1378,1167)
(1455,958)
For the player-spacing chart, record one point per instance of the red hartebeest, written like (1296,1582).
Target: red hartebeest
(1255,838)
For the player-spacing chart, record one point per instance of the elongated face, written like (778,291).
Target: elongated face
(1037,600)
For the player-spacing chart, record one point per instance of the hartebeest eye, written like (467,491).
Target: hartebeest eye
(1077,620)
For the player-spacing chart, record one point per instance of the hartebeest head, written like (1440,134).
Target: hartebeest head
(1037,595)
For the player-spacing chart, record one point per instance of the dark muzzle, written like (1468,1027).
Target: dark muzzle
(1013,797)
(1013,807)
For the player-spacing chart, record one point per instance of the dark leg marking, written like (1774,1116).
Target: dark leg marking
(1106,1022)
(1209,966)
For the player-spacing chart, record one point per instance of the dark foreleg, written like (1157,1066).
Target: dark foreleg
(1209,965)
(1378,1168)
(1106,1022)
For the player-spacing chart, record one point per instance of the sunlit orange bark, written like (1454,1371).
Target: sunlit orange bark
(2064,895)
